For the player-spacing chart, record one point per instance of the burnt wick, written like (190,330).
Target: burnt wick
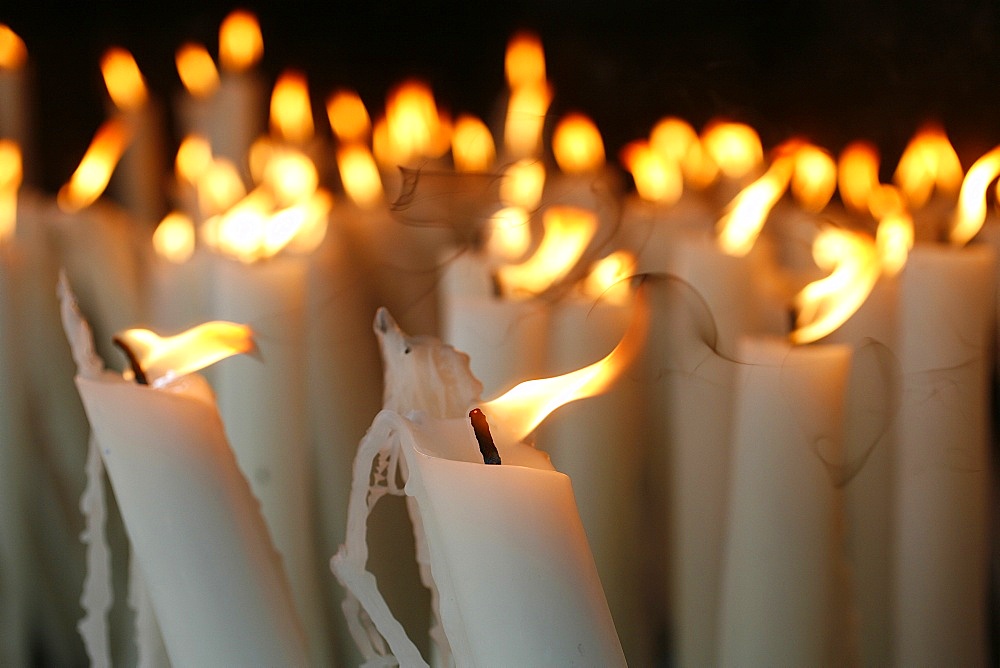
(486,445)
(133,361)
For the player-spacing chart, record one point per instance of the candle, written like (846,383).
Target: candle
(14,113)
(215,580)
(238,106)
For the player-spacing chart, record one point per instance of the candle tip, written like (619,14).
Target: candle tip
(486,445)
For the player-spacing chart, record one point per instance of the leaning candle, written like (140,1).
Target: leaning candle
(215,580)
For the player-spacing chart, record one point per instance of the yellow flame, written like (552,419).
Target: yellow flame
(13,52)
(814,178)
(517,412)
(291,110)
(219,187)
(510,234)
(524,63)
(414,126)
(194,157)
(928,162)
(526,109)
(241,45)
(300,228)
(348,116)
(359,175)
(123,79)
(291,176)
(162,359)
(472,146)
(885,200)
(522,184)
(608,278)
(92,175)
(971,211)
(673,138)
(734,147)
(174,238)
(567,232)
(740,226)
(577,145)
(657,179)
(11,174)
(857,175)
(197,70)
(893,241)
(825,305)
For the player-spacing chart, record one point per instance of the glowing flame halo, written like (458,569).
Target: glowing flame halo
(970,214)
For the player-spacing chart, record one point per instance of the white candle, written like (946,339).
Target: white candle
(14,112)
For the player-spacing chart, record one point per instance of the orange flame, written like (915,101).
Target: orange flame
(893,240)
(510,234)
(349,119)
(241,45)
(11,174)
(472,146)
(734,147)
(291,110)
(163,359)
(194,157)
(739,228)
(568,231)
(857,175)
(524,63)
(174,237)
(415,130)
(522,184)
(608,278)
(520,410)
(197,70)
(526,109)
(92,175)
(123,79)
(656,179)
(824,305)
(928,162)
(291,176)
(219,187)
(359,175)
(13,52)
(577,145)
(971,211)
(814,178)
(677,142)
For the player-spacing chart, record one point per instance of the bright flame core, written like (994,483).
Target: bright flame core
(608,278)
(928,162)
(472,146)
(241,45)
(893,240)
(348,116)
(577,145)
(414,126)
(568,231)
(11,174)
(524,63)
(740,226)
(92,175)
(291,110)
(13,52)
(123,79)
(174,238)
(510,234)
(971,211)
(814,178)
(522,184)
(197,70)
(825,305)
(657,179)
(162,359)
(857,175)
(359,175)
(734,147)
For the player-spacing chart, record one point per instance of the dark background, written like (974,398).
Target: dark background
(833,71)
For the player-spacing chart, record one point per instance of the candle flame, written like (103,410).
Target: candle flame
(348,116)
(162,359)
(857,175)
(928,162)
(814,178)
(734,147)
(291,176)
(174,238)
(893,241)
(197,70)
(359,175)
(739,228)
(524,63)
(526,109)
(608,278)
(219,187)
(291,110)
(971,211)
(415,130)
(675,140)
(94,171)
(824,305)
(123,79)
(510,234)
(472,146)
(567,232)
(521,409)
(241,45)
(11,174)
(194,157)
(657,179)
(13,52)
(577,145)
(523,184)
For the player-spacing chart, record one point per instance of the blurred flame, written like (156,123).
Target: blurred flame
(577,145)
(857,175)
(929,161)
(11,174)
(174,238)
(522,184)
(241,45)
(524,63)
(123,79)
(13,52)
(348,116)
(197,70)
(219,187)
(359,175)
(301,227)
(567,232)
(291,176)
(92,175)
(526,109)
(970,214)
(472,146)
(194,157)
(740,226)
(814,178)
(893,241)
(675,140)
(885,200)
(608,278)
(825,305)
(734,147)
(414,127)
(510,234)
(517,412)
(162,359)
(657,179)
(291,110)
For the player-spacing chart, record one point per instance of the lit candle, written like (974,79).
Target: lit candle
(14,113)
(239,104)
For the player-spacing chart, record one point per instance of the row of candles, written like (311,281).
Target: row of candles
(755,499)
